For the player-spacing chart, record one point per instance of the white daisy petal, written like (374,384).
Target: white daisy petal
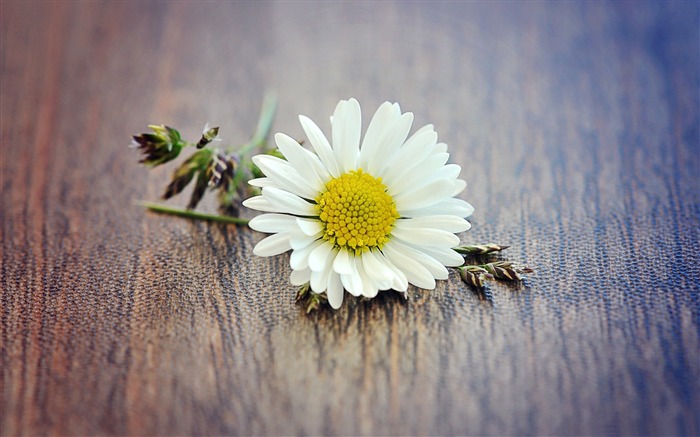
(273,245)
(446,256)
(412,153)
(303,161)
(319,257)
(287,202)
(369,287)
(437,270)
(259,203)
(284,176)
(381,143)
(451,206)
(381,119)
(399,281)
(300,277)
(450,171)
(347,127)
(319,280)
(375,267)
(320,144)
(334,290)
(261,182)
(414,271)
(431,169)
(460,185)
(299,240)
(424,196)
(341,265)
(271,223)
(449,223)
(309,226)
(352,281)
(426,237)
(390,142)
(299,259)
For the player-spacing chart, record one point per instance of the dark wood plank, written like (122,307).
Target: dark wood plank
(577,128)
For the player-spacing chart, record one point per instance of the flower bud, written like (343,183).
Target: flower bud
(162,145)
(222,169)
(474,275)
(209,134)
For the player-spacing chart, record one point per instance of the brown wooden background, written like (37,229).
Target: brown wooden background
(576,125)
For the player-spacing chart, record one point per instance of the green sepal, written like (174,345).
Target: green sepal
(200,188)
(198,162)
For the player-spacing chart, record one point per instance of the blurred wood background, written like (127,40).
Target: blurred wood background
(577,128)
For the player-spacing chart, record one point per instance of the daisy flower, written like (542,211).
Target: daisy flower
(361,214)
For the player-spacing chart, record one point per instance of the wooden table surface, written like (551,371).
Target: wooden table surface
(577,129)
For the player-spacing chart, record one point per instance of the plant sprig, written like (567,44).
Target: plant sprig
(480,249)
(312,301)
(476,275)
(224,170)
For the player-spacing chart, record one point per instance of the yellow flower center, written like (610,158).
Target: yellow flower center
(356,211)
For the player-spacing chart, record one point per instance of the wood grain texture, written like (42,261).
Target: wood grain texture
(576,125)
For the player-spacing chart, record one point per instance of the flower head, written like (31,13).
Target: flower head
(361,214)
(209,134)
(160,146)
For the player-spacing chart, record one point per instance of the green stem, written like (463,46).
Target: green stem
(165,209)
(267,115)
